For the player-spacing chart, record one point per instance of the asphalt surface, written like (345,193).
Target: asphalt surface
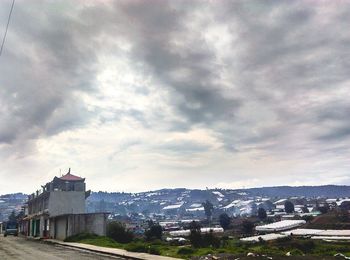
(18,248)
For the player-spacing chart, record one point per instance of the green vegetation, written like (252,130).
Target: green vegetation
(296,247)
(185,251)
(202,244)
(288,207)
(208,209)
(155,231)
(202,241)
(224,221)
(262,214)
(119,233)
(331,220)
(247,227)
(95,240)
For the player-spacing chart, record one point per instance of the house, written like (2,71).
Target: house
(280,225)
(58,210)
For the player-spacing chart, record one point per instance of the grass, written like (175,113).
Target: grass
(92,239)
(278,248)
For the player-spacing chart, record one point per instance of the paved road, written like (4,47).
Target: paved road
(17,248)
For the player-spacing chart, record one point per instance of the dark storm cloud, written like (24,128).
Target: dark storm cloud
(333,121)
(286,51)
(280,55)
(189,70)
(338,110)
(291,51)
(45,65)
(337,133)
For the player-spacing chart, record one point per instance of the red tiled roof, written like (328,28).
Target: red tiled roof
(70,177)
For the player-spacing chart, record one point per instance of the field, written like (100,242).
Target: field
(232,248)
(331,220)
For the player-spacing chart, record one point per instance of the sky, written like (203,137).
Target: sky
(143,95)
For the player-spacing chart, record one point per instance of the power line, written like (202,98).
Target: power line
(7,26)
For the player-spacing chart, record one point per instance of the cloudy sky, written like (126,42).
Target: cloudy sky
(141,95)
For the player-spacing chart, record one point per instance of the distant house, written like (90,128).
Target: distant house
(196,210)
(173,209)
(280,225)
(241,208)
(58,210)
(266,205)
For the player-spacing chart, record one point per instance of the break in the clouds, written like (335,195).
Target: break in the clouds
(139,95)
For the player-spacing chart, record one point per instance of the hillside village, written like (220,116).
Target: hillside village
(11,202)
(186,204)
(63,209)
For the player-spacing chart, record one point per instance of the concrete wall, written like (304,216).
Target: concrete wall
(58,228)
(66,202)
(72,224)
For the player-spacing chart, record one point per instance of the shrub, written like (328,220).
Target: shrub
(261,240)
(154,250)
(209,252)
(198,240)
(143,248)
(295,252)
(81,236)
(247,227)
(210,239)
(118,232)
(224,220)
(185,251)
(283,239)
(262,214)
(195,238)
(288,207)
(224,241)
(136,247)
(154,232)
(305,246)
(308,246)
(308,218)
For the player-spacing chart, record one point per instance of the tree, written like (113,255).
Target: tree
(345,206)
(198,240)
(224,220)
(194,225)
(118,232)
(20,215)
(208,209)
(155,231)
(307,218)
(262,213)
(195,235)
(305,209)
(12,217)
(323,209)
(210,240)
(247,227)
(288,207)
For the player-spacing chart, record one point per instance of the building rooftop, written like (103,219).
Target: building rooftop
(280,225)
(70,177)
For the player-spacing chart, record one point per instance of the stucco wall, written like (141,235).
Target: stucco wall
(60,229)
(66,202)
(78,223)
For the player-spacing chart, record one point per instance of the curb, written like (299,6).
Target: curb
(89,249)
(128,255)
